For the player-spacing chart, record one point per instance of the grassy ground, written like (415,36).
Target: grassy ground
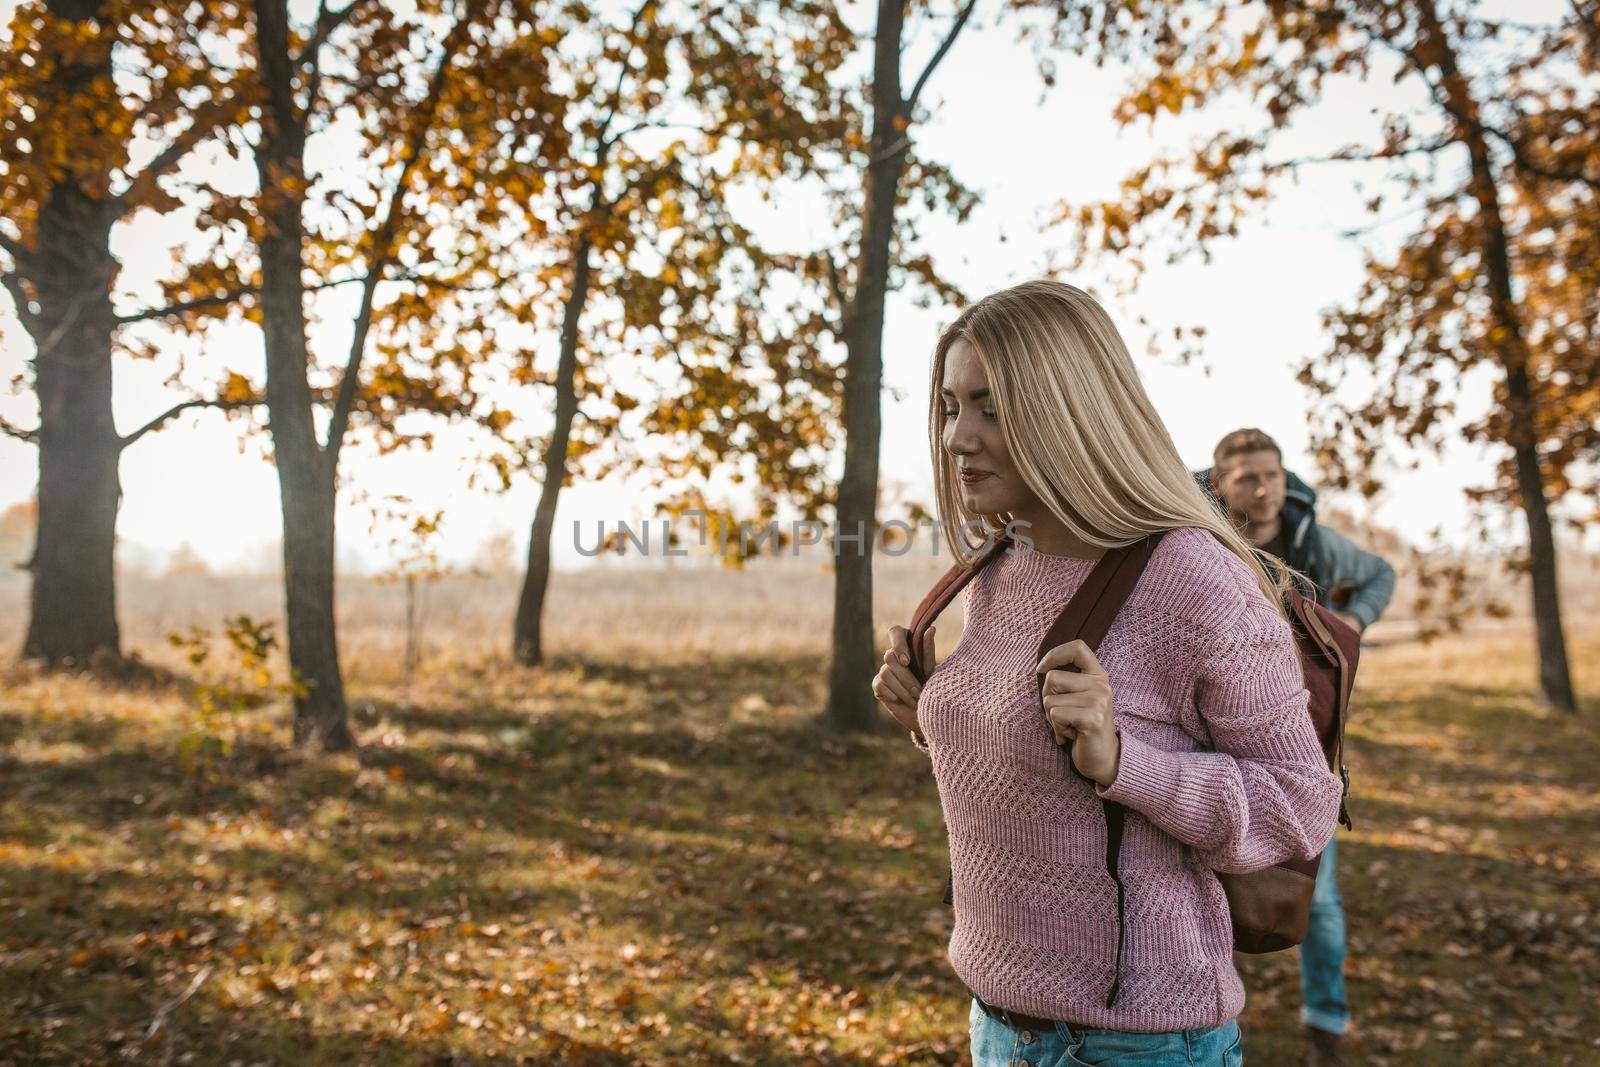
(668,863)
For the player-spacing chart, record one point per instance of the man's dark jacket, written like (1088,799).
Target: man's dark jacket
(1348,578)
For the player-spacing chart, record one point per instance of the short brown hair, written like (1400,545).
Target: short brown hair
(1238,443)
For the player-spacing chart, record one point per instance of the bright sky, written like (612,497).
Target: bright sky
(1259,299)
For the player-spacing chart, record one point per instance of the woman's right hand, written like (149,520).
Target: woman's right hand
(896,688)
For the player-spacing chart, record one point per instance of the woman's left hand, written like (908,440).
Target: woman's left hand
(1079,707)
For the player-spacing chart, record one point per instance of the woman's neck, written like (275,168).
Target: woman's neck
(1051,537)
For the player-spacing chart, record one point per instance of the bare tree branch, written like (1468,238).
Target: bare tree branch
(314,60)
(178,409)
(1475,123)
(604,141)
(1587,15)
(938,56)
(351,379)
(836,287)
(208,119)
(1354,155)
(1519,152)
(10,429)
(223,110)
(383,238)
(13,285)
(327,22)
(310,55)
(183,307)
(1411,57)
(636,127)
(218,300)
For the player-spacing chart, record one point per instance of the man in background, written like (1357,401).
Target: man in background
(1276,512)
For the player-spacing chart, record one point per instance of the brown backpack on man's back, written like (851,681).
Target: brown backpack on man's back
(1270,908)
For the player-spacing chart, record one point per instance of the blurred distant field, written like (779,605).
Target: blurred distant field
(644,608)
(647,853)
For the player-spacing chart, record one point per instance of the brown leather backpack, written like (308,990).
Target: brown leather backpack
(1270,908)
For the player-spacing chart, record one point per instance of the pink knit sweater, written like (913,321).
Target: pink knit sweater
(1220,770)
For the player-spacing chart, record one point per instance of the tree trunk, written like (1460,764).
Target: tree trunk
(321,718)
(1555,678)
(74,603)
(73,608)
(305,476)
(851,705)
(527,634)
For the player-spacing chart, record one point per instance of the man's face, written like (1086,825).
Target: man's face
(1252,486)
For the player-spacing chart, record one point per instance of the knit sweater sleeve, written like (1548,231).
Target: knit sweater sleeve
(1265,794)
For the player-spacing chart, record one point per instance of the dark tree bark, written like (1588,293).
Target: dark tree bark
(1555,677)
(851,705)
(527,636)
(308,471)
(62,289)
(73,606)
(68,274)
(305,473)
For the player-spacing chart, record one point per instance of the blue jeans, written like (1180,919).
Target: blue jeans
(994,1044)
(1322,954)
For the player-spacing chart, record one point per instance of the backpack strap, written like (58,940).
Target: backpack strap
(945,590)
(1088,618)
(1093,608)
(1322,634)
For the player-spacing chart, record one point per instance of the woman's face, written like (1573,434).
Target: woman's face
(988,481)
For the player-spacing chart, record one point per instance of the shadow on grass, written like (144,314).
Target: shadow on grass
(693,805)
(702,806)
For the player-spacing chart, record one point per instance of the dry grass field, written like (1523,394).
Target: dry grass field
(648,853)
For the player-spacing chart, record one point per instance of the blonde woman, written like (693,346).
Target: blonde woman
(1192,716)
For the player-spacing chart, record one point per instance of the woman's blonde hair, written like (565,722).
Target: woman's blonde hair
(1080,428)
